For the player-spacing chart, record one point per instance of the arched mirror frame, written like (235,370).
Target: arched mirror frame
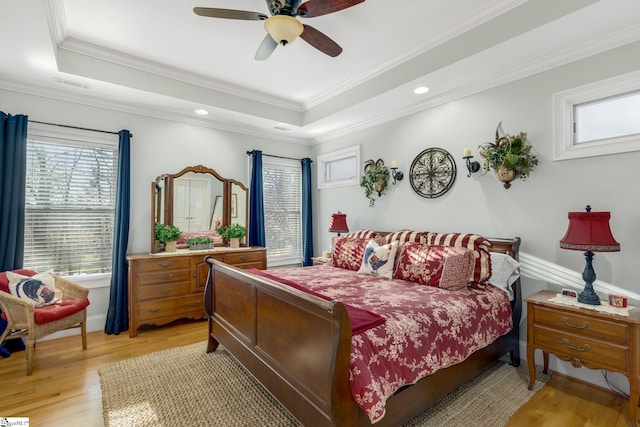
(162,197)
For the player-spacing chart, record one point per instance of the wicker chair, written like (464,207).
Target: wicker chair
(21,319)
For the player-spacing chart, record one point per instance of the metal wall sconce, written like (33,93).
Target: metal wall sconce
(472,167)
(395,173)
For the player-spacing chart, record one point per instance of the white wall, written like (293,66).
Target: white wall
(535,210)
(157,147)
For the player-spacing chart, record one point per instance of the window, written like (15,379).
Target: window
(282,181)
(339,168)
(70,201)
(598,119)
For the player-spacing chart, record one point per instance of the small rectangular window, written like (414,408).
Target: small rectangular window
(608,118)
(597,119)
(339,168)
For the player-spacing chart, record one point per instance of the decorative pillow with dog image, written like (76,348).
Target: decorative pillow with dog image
(39,290)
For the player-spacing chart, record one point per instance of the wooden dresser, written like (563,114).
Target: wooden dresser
(585,338)
(165,287)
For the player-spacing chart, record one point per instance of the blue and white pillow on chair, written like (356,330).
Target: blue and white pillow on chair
(39,290)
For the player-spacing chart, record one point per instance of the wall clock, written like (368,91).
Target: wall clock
(432,173)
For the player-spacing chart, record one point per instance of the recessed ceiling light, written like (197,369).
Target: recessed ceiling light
(420,90)
(202,112)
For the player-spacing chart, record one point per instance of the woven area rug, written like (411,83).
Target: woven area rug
(185,386)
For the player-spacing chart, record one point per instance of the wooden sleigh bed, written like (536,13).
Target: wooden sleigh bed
(266,326)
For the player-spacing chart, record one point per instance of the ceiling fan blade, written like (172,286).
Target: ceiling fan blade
(245,15)
(313,8)
(266,48)
(320,41)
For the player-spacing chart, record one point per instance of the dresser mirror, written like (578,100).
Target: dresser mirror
(197,200)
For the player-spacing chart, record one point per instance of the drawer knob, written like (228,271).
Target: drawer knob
(566,322)
(584,347)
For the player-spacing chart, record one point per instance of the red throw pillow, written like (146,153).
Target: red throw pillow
(445,267)
(478,244)
(347,252)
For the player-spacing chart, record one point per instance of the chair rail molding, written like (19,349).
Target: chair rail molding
(540,269)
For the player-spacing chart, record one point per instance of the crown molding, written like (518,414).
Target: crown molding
(93,101)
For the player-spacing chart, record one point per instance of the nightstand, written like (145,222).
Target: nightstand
(318,260)
(585,338)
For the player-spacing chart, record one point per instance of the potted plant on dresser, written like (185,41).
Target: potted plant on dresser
(233,233)
(168,235)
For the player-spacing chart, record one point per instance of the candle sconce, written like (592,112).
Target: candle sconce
(395,173)
(472,167)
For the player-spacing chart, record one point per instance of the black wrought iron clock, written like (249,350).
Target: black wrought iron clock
(432,173)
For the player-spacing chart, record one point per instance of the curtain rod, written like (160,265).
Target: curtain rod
(273,155)
(79,128)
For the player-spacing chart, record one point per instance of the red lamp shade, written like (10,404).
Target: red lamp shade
(338,223)
(589,231)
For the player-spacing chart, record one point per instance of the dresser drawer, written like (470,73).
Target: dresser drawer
(595,354)
(163,263)
(149,310)
(612,332)
(163,291)
(163,277)
(243,258)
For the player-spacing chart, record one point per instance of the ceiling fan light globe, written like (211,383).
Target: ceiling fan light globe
(283,29)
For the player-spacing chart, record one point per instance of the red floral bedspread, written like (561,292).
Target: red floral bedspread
(426,328)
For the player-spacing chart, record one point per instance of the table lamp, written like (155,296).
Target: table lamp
(338,223)
(589,231)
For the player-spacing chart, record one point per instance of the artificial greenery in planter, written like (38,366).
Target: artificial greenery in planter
(509,156)
(375,179)
(167,234)
(202,242)
(233,233)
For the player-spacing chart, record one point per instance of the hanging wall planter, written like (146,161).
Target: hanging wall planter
(509,156)
(375,179)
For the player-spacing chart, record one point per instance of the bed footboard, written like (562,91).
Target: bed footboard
(295,344)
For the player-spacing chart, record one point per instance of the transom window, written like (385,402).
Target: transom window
(598,119)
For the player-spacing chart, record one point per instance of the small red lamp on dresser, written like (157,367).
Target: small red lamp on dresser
(589,231)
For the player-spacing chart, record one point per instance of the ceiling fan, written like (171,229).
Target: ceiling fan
(283,27)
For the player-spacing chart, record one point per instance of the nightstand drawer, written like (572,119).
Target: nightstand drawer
(149,310)
(612,332)
(594,354)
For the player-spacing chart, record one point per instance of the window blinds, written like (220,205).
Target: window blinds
(70,201)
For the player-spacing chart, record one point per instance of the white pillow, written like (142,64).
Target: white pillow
(378,260)
(39,290)
(504,271)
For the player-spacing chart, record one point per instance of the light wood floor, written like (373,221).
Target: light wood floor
(64,389)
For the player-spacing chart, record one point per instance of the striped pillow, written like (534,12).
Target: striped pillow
(478,244)
(404,236)
(363,234)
